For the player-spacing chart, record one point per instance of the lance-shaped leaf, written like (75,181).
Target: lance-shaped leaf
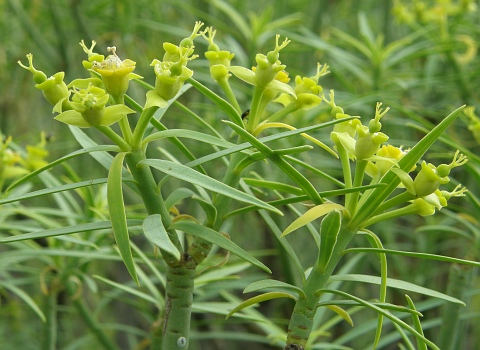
(116,208)
(421,345)
(156,233)
(310,215)
(259,299)
(276,286)
(385,313)
(342,313)
(190,175)
(329,230)
(216,238)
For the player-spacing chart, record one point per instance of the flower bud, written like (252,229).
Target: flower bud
(54,88)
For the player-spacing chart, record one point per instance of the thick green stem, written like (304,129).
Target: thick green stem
(301,321)
(178,305)
(142,125)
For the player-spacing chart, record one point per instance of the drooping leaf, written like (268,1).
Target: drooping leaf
(190,175)
(342,313)
(310,215)
(25,297)
(177,196)
(387,314)
(156,233)
(216,238)
(394,283)
(93,226)
(279,286)
(116,208)
(258,299)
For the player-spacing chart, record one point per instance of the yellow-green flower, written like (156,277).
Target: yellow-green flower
(115,73)
(88,109)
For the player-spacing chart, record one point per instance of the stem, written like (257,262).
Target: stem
(91,322)
(142,125)
(351,204)
(301,321)
(112,135)
(227,89)
(282,113)
(50,341)
(123,123)
(254,116)
(178,305)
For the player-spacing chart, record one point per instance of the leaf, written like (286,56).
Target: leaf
(258,299)
(417,324)
(273,284)
(57,189)
(220,102)
(153,100)
(177,196)
(116,208)
(329,229)
(394,283)
(387,314)
(156,233)
(310,215)
(216,238)
(405,179)
(25,297)
(190,134)
(130,290)
(415,255)
(342,313)
(106,148)
(190,175)
(81,228)
(286,167)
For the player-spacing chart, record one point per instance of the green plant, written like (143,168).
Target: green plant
(188,239)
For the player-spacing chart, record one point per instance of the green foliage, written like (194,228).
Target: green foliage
(181,178)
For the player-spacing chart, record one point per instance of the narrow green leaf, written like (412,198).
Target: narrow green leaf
(129,290)
(273,284)
(208,208)
(415,255)
(310,215)
(220,102)
(342,313)
(116,208)
(190,175)
(103,148)
(57,189)
(405,179)
(177,196)
(25,297)
(394,283)
(156,233)
(387,314)
(265,139)
(189,134)
(329,229)
(81,228)
(219,240)
(286,167)
(421,345)
(258,299)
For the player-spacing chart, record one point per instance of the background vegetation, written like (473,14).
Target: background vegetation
(422,68)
